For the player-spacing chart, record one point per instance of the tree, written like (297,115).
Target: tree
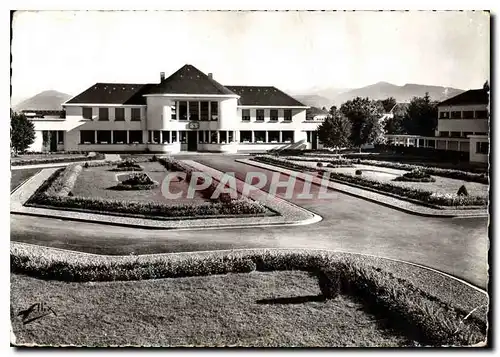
(22,132)
(388,104)
(421,116)
(364,116)
(334,131)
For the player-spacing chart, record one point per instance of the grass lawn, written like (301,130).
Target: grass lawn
(253,309)
(441,185)
(97,182)
(17,177)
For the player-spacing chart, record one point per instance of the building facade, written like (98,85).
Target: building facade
(188,111)
(463,125)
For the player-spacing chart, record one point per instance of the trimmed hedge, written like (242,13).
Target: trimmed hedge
(64,182)
(51,160)
(415,175)
(406,192)
(413,309)
(136,181)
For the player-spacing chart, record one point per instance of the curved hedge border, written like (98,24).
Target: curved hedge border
(436,322)
(54,160)
(427,197)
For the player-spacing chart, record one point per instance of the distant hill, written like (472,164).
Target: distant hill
(402,94)
(47,100)
(327,97)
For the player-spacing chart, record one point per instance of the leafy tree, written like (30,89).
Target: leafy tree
(333,110)
(364,116)
(22,132)
(388,104)
(334,131)
(421,116)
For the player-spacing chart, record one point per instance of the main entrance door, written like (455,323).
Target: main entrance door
(192,140)
(314,140)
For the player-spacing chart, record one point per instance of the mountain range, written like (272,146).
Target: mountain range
(46,100)
(381,90)
(317,97)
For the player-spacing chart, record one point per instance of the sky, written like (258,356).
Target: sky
(294,51)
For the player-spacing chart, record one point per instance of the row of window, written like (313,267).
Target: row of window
(458,134)
(466,114)
(166,136)
(273,115)
(195,110)
(103,114)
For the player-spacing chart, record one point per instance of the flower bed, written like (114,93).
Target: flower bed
(337,162)
(416,175)
(427,197)
(136,181)
(224,205)
(127,165)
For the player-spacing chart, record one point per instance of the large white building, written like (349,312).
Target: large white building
(463,125)
(188,111)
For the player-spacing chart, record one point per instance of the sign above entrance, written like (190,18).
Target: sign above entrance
(193,125)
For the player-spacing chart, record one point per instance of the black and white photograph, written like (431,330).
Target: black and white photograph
(254,179)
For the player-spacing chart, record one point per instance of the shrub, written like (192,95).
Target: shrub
(86,165)
(136,181)
(358,172)
(319,164)
(415,175)
(154,158)
(53,158)
(462,191)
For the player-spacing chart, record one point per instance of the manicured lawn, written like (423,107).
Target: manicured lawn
(253,309)
(98,181)
(441,185)
(17,177)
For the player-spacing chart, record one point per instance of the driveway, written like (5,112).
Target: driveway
(456,246)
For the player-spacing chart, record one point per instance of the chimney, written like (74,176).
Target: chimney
(211,76)
(162,76)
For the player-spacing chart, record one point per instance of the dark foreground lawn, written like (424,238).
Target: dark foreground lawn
(17,177)
(253,309)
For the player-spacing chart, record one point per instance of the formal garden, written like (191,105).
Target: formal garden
(134,187)
(445,188)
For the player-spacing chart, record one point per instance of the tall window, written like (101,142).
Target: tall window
(87,113)
(468,114)
(245,114)
(260,115)
(482,148)
(135,136)
(223,137)
(119,114)
(260,136)
(274,115)
(230,137)
(481,114)
(166,137)
(213,137)
(174,136)
(103,114)
(287,115)
(154,136)
(183,136)
(245,136)
(287,136)
(136,114)
(204,111)
(444,115)
(87,137)
(194,108)
(273,136)
(207,136)
(60,137)
(119,137)
(200,136)
(456,115)
(183,114)
(214,110)
(173,111)
(104,136)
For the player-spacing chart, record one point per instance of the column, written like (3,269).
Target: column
(111,142)
(253,137)
(281,136)
(446,145)
(218,137)
(161,136)
(95,136)
(267,137)
(128,138)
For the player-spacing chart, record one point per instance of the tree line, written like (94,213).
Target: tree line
(361,121)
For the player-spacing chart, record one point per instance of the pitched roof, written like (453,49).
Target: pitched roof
(472,96)
(264,96)
(189,80)
(112,93)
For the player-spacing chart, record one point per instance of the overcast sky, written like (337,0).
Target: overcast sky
(294,51)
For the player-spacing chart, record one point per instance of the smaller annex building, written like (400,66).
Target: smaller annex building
(463,125)
(187,111)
